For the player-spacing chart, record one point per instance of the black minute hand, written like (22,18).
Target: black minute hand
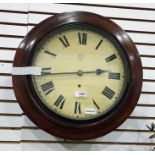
(80,72)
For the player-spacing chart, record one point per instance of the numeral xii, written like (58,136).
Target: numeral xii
(82,38)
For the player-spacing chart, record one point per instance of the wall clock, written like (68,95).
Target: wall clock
(89,79)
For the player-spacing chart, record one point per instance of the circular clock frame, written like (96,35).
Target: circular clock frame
(54,124)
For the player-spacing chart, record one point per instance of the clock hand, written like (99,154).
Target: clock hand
(80,72)
(97,71)
(63,73)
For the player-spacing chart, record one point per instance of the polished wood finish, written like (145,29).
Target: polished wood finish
(56,125)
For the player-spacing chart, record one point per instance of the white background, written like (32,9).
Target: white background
(17,132)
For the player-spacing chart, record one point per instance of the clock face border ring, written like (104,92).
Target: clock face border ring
(55,126)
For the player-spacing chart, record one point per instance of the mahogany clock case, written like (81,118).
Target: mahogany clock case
(57,125)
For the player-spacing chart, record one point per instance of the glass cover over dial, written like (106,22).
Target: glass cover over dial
(84,72)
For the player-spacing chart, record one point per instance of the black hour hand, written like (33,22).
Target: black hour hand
(100,71)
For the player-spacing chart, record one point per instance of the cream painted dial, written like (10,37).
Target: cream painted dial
(83,72)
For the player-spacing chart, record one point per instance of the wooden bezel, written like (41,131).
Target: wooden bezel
(57,126)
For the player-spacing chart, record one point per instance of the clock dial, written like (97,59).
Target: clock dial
(83,72)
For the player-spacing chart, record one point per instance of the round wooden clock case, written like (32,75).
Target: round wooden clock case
(73,123)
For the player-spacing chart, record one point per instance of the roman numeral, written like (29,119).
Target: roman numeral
(50,53)
(82,38)
(46,71)
(47,87)
(111,57)
(64,41)
(60,102)
(115,76)
(108,92)
(99,44)
(77,108)
(95,104)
